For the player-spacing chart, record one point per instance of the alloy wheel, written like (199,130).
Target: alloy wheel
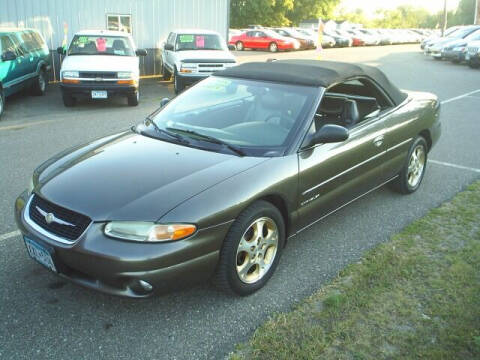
(257,250)
(416,166)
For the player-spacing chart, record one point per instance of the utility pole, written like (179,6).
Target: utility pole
(475,16)
(444,25)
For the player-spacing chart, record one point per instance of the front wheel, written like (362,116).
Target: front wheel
(68,100)
(273,47)
(177,83)
(239,46)
(251,250)
(40,84)
(411,176)
(133,99)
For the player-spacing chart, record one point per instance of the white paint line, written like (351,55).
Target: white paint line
(9,235)
(454,166)
(459,97)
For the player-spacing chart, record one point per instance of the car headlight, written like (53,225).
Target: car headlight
(148,231)
(70,74)
(30,187)
(124,75)
(188,68)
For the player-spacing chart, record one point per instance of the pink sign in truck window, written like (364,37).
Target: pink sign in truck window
(101,44)
(200,41)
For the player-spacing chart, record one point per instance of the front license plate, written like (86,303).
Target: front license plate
(39,253)
(99,94)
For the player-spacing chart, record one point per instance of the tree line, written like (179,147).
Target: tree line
(292,12)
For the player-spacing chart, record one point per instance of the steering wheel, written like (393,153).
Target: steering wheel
(279,119)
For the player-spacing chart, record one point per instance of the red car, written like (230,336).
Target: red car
(263,39)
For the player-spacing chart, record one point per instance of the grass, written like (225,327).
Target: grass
(416,296)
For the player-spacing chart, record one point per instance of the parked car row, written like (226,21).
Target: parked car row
(459,44)
(275,39)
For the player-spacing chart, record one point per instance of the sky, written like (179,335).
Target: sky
(369,6)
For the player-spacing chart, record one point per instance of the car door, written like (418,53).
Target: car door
(262,39)
(250,40)
(169,54)
(331,175)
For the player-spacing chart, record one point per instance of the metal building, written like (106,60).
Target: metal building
(149,21)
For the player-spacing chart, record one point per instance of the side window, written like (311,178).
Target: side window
(261,34)
(350,103)
(119,22)
(7,44)
(20,50)
(37,39)
(251,33)
(171,38)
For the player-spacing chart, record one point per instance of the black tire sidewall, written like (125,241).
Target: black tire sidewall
(229,250)
(177,83)
(68,100)
(2,99)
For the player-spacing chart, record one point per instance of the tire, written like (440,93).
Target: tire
(438,58)
(473,65)
(178,84)
(2,102)
(411,176)
(133,99)
(236,273)
(239,46)
(68,100)
(273,47)
(165,73)
(39,85)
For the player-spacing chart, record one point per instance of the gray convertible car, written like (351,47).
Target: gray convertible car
(215,182)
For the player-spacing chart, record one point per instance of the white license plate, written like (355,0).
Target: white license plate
(39,253)
(99,94)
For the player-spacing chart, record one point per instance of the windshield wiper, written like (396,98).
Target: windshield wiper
(178,137)
(211,139)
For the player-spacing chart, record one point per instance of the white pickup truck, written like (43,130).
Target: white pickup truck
(100,64)
(192,55)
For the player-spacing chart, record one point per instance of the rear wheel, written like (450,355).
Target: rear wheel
(473,64)
(68,100)
(165,73)
(133,99)
(239,46)
(2,102)
(178,84)
(273,47)
(251,250)
(411,176)
(40,84)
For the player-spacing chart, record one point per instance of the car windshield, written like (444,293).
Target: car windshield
(473,36)
(199,42)
(101,45)
(461,33)
(259,117)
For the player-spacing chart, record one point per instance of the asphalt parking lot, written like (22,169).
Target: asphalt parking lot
(43,316)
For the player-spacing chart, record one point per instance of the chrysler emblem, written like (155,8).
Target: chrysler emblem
(51,218)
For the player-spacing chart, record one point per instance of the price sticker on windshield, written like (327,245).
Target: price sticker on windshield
(186,38)
(200,41)
(101,44)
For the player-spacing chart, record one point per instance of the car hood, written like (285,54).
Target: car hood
(132,177)
(455,43)
(100,63)
(213,55)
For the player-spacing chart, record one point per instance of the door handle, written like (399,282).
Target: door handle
(378,141)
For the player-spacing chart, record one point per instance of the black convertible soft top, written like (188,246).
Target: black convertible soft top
(313,73)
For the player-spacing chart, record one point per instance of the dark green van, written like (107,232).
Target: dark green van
(24,62)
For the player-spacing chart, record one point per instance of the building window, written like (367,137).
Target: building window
(119,22)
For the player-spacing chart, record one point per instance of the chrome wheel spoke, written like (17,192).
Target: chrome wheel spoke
(256,250)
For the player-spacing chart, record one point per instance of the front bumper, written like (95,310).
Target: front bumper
(116,267)
(453,55)
(112,89)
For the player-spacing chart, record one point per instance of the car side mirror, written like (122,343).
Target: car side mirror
(168,47)
(329,133)
(8,56)
(231,47)
(164,101)
(61,50)
(141,52)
